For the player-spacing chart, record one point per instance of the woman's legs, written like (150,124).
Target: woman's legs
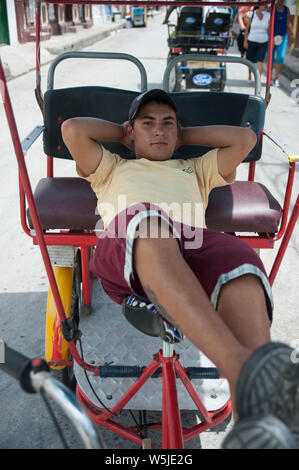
(280,54)
(260,67)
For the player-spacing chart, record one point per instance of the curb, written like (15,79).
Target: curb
(49,50)
(86,39)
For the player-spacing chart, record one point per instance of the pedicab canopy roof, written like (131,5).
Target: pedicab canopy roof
(164,2)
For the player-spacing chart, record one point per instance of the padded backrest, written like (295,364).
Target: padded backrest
(99,102)
(198,108)
(190,19)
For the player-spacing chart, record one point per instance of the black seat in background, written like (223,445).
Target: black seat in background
(190,20)
(218,22)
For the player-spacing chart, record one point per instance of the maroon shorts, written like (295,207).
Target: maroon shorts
(214,257)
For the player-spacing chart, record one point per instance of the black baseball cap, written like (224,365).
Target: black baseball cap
(150,95)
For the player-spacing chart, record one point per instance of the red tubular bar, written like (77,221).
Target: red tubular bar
(147,373)
(251,171)
(50,167)
(287,199)
(28,191)
(86,284)
(192,392)
(285,241)
(25,183)
(23,209)
(172,435)
(127,433)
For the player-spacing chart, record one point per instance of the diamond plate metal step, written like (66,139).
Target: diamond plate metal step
(107,337)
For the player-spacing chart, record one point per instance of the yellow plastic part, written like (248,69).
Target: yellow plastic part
(56,347)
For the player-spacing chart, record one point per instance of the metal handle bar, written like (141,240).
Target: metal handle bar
(212,58)
(96,55)
(35,376)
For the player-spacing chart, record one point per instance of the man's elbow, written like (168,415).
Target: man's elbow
(249,140)
(69,129)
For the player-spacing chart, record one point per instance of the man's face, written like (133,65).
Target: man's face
(155,131)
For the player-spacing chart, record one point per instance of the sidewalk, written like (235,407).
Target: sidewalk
(20,59)
(291,65)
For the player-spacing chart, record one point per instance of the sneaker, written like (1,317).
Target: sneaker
(276,82)
(269,384)
(265,432)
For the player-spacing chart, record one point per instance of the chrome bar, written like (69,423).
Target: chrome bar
(96,55)
(212,58)
(67,402)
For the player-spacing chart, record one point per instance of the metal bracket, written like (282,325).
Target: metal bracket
(31,138)
(61,256)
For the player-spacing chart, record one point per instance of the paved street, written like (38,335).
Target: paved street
(23,281)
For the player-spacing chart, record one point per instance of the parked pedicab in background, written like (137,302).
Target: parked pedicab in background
(60,217)
(197,31)
(139,16)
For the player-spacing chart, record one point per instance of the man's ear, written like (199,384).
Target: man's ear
(129,130)
(128,139)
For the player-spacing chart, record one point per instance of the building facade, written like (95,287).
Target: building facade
(17,20)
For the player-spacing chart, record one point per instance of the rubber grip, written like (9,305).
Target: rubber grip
(17,366)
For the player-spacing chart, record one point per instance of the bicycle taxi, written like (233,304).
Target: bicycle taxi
(141,368)
(205,30)
(139,16)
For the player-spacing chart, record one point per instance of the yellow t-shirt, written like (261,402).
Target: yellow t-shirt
(180,187)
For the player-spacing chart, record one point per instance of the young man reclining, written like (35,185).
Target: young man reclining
(213,286)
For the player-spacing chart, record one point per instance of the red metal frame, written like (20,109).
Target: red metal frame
(173,435)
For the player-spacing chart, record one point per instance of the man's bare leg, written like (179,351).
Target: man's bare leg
(175,291)
(242,306)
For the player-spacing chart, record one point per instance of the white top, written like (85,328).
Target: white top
(259,28)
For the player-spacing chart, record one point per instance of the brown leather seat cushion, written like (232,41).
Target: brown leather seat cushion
(65,203)
(244,206)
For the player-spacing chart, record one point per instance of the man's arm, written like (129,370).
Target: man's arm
(246,32)
(240,21)
(83,135)
(234,143)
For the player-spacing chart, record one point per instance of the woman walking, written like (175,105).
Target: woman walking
(282,30)
(256,37)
